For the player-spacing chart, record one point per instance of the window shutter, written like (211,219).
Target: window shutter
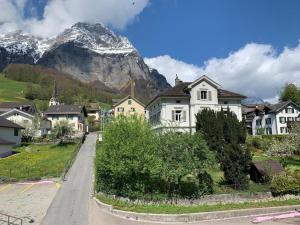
(184,116)
(209,95)
(198,95)
(173,115)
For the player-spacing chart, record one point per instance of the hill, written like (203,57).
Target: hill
(21,82)
(12,91)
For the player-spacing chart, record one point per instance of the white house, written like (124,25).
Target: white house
(74,114)
(10,136)
(271,119)
(19,117)
(176,108)
(24,114)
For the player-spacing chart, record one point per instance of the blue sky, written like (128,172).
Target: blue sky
(196,30)
(249,46)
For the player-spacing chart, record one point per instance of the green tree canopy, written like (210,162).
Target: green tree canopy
(290,92)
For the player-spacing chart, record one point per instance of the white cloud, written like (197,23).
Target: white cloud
(254,70)
(60,14)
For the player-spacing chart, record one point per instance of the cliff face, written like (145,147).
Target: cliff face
(89,53)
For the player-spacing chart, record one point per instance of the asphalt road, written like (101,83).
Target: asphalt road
(71,204)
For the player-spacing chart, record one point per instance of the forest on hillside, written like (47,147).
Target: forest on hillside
(70,91)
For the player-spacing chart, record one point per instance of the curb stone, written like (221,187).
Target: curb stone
(194,217)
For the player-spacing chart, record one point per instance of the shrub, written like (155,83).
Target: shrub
(286,183)
(224,134)
(258,142)
(235,162)
(205,183)
(182,155)
(134,162)
(189,186)
(127,160)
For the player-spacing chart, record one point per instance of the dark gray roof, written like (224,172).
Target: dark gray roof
(180,90)
(7,123)
(268,166)
(4,142)
(229,94)
(281,105)
(64,109)
(23,106)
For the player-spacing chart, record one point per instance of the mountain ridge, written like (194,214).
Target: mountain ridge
(88,52)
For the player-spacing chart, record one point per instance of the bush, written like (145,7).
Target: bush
(127,160)
(235,162)
(225,134)
(259,142)
(134,162)
(183,156)
(286,183)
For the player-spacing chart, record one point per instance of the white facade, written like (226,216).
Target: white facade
(19,117)
(77,121)
(275,122)
(178,111)
(11,134)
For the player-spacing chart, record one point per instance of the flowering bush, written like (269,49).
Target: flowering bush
(289,146)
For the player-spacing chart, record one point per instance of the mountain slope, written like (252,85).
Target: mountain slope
(89,53)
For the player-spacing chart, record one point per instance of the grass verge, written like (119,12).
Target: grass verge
(180,209)
(37,161)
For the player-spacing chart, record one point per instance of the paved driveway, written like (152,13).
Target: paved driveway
(71,204)
(27,199)
(101,217)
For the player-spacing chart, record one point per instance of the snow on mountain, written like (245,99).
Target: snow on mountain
(94,37)
(87,52)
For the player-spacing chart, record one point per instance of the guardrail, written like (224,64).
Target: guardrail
(10,220)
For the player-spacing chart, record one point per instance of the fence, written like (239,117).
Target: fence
(70,162)
(10,220)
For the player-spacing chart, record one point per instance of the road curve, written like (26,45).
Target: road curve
(71,204)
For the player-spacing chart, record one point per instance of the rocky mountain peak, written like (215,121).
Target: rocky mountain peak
(89,53)
(95,37)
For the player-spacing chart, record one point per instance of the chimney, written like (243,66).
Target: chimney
(177,81)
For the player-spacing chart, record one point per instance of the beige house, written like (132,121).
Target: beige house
(10,136)
(93,110)
(129,106)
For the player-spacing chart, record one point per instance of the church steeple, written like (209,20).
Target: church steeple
(54,99)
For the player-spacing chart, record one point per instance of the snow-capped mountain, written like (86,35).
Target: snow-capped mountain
(89,52)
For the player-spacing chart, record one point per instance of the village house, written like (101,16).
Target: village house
(271,118)
(10,136)
(93,110)
(176,108)
(25,115)
(74,114)
(129,106)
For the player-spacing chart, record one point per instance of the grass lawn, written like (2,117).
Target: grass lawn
(178,209)
(36,161)
(290,163)
(11,90)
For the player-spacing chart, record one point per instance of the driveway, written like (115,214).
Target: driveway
(71,204)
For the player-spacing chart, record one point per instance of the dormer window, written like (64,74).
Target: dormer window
(203,95)
(289,110)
